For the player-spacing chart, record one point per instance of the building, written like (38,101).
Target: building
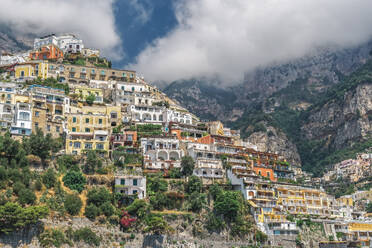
(126,138)
(131,185)
(69,43)
(49,106)
(7,92)
(82,92)
(22,123)
(90,52)
(82,74)
(207,163)
(178,117)
(6,116)
(10,59)
(31,70)
(48,52)
(161,153)
(146,114)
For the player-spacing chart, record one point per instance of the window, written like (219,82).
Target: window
(76,144)
(267,174)
(132,88)
(48,127)
(122,181)
(135,182)
(57,129)
(73,129)
(87,130)
(134,192)
(86,120)
(88,145)
(74,119)
(99,121)
(124,74)
(36,125)
(22,73)
(37,113)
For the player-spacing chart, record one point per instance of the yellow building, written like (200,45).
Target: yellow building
(89,128)
(81,93)
(346,200)
(31,70)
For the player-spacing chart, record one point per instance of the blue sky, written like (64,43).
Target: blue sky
(138,29)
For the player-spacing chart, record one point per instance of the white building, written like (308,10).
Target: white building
(132,87)
(10,59)
(68,43)
(146,114)
(6,115)
(7,92)
(178,116)
(131,185)
(161,153)
(22,123)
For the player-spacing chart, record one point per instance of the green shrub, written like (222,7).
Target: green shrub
(26,196)
(107,209)
(75,180)
(86,235)
(49,178)
(53,238)
(91,211)
(73,204)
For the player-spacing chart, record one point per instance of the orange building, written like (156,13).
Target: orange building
(265,172)
(46,52)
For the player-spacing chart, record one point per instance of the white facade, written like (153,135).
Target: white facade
(146,114)
(6,115)
(132,87)
(22,123)
(161,153)
(177,116)
(13,59)
(131,185)
(67,43)
(7,92)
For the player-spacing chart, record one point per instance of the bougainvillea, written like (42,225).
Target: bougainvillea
(126,220)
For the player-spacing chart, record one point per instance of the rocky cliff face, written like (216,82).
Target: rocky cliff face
(345,122)
(13,43)
(274,140)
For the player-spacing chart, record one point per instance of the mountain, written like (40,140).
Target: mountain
(12,42)
(313,106)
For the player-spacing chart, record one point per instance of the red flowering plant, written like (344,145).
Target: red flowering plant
(126,220)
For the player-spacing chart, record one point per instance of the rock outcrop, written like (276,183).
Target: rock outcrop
(342,122)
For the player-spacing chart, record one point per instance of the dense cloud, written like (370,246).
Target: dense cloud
(92,20)
(227,38)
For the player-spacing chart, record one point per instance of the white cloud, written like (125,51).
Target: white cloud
(143,13)
(92,20)
(228,38)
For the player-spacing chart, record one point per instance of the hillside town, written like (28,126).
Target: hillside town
(70,92)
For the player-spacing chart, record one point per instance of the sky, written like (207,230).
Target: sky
(167,40)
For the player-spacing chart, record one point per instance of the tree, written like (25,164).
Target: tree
(90,99)
(98,196)
(75,180)
(196,201)
(193,185)
(228,204)
(158,201)
(49,178)
(156,184)
(139,208)
(14,217)
(26,196)
(107,209)
(92,163)
(187,166)
(39,145)
(369,207)
(91,211)
(73,204)
(156,225)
